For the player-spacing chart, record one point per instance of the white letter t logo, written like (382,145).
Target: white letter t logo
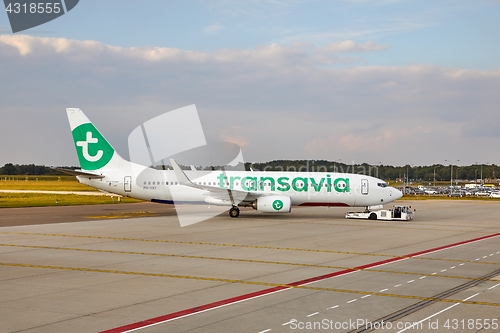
(85,148)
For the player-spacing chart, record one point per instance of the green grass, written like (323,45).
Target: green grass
(49,183)
(10,200)
(42,183)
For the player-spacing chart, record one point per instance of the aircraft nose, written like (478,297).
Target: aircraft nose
(396,193)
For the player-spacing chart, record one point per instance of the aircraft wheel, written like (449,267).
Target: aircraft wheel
(234,212)
(373,216)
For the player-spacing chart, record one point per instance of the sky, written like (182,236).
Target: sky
(366,81)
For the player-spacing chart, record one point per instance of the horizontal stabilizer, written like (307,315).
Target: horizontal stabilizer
(86,174)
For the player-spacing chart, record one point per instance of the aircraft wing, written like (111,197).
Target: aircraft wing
(216,195)
(86,174)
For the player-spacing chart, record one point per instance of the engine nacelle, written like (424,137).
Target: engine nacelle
(273,204)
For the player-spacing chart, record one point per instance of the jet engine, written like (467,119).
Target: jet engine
(273,204)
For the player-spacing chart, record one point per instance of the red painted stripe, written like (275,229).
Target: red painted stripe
(232,300)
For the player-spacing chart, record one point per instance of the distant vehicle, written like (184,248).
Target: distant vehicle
(495,194)
(430,191)
(456,194)
(396,213)
(482,194)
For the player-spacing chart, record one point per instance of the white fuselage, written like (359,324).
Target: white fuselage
(304,188)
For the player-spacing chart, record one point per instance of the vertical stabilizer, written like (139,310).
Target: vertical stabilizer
(93,150)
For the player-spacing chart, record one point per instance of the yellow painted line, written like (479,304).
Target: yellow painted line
(238,245)
(123,215)
(235,281)
(198,243)
(255,261)
(384,224)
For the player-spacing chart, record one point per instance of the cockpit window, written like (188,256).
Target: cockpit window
(382,184)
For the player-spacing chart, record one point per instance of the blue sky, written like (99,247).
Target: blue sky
(351,80)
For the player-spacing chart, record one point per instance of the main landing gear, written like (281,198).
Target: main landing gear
(234,212)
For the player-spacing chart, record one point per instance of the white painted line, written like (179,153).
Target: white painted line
(434,273)
(478,259)
(332,307)
(365,296)
(496,285)
(312,314)
(352,300)
(491,255)
(407,328)
(410,281)
(398,285)
(461,264)
(384,290)
(291,321)
(485,257)
(452,267)
(443,270)
(264,331)
(422,277)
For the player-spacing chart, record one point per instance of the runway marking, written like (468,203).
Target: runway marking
(352,300)
(312,314)
(264,331)
(437,313)
(332,307)
(224,259)
(282,286)
(301,283)
(385,225)
(168,241)
(365,296)
(124,215)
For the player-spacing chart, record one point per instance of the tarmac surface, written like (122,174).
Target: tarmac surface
(120,267)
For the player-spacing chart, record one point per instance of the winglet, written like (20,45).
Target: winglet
(181,176)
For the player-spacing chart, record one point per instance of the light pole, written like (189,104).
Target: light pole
(434,176)
(451,172)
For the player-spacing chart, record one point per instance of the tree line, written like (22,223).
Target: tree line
(28,169)
(438,172)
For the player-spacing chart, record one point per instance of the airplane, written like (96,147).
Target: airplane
(103,168)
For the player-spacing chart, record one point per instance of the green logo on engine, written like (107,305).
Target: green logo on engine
(277,204)
(93,150)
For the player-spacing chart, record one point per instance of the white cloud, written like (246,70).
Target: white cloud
(352,46)
(276,101)
(212,29)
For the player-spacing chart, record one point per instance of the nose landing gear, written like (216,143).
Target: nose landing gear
(234,212)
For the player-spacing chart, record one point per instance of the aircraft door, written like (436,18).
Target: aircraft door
(364,186)
(127,184)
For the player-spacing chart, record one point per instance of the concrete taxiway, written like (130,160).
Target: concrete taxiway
(311,270)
